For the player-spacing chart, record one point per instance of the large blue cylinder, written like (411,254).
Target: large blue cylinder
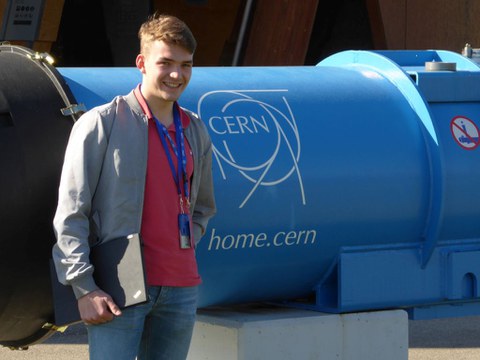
(347,186)
(310,160)
(298,173)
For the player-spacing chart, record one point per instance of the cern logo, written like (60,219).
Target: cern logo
(255,135)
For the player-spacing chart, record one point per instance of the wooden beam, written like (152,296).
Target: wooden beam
(376,24)
(442,24)
(285,26)
(393,14)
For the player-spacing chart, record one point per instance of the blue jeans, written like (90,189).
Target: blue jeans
(159,329)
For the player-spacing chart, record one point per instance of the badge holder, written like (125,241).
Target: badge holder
(184,229)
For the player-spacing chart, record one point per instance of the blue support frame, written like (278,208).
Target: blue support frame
(368,278)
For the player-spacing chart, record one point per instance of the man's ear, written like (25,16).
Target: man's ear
(140,62)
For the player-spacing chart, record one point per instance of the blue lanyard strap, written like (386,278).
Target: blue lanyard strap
(179,175)
(180,138)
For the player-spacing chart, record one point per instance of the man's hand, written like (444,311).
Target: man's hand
(97,307)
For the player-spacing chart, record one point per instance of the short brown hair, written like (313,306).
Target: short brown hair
(166,28)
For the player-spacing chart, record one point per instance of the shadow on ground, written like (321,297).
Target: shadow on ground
(461,332)
(75,334)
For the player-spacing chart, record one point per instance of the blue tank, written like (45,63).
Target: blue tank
(347,186)
(351,184)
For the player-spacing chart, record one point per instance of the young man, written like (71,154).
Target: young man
(139,164)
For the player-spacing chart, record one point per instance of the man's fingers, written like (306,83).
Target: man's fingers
(112,307)
(97,307)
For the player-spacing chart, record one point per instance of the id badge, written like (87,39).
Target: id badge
(184,229)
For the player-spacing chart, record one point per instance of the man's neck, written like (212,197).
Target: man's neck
(165,118)
(163,111)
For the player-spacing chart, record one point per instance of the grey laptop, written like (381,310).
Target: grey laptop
(119,271)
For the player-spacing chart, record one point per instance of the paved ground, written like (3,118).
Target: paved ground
(71,345)
(443,339)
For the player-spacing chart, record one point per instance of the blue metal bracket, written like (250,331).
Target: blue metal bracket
(375,278)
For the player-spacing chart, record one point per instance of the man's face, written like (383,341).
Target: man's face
(166,70)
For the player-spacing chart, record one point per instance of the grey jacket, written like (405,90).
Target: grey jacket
(103,182)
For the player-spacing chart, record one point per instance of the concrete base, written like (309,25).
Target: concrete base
(264,333)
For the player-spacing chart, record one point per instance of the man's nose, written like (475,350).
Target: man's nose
(175,73)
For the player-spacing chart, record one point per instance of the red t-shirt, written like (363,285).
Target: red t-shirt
(166,263)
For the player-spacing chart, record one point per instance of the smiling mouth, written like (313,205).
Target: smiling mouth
(172,85)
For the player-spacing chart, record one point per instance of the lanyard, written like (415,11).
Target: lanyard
(179,175)
(179,150)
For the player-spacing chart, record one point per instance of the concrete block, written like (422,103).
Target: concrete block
(259,332)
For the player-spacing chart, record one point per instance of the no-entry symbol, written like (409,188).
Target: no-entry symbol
(465,132)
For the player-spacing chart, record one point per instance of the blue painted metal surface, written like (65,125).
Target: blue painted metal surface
(351,185)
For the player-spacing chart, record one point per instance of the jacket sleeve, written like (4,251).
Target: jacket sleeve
(204,207)
(80,173)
